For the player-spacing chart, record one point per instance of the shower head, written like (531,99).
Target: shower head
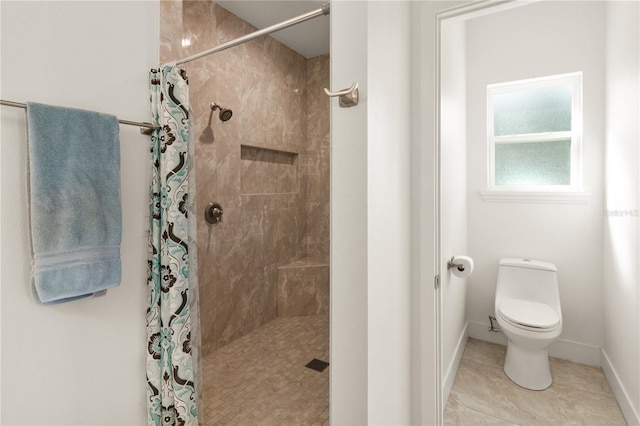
(225,113)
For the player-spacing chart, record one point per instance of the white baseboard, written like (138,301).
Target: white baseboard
(576,352)
(563,349)
(450,375)
(624,402)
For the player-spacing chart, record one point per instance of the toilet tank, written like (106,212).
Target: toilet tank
(528,279)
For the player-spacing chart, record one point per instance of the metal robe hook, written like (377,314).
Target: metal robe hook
(347,97)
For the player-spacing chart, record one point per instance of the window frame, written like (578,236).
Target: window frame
(544,192)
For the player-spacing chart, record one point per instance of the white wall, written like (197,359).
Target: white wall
(388,186)
(349,278)
(81,362)
(453,195)
(541,39)
(621,349)
(370,231)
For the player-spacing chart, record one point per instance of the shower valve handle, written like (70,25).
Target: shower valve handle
(213,213)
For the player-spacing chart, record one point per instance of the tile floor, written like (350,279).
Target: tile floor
(482,394)
(261,378)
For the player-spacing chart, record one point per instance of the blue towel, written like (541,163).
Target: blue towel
(74,196)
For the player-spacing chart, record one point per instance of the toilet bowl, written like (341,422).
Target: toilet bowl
(527,308)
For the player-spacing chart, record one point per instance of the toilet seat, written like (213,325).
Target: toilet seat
(529,315)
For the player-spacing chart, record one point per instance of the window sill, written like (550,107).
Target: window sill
(581,197)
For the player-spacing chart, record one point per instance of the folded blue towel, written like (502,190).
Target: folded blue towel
(74,186)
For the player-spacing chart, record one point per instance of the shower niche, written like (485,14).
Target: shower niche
(268,171)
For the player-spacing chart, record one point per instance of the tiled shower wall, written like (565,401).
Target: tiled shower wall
(268,166)
(318,155)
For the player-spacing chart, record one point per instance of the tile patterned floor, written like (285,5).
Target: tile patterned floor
(482,394)
(261,378)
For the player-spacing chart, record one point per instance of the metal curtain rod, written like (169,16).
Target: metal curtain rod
(145,128)
(277,27)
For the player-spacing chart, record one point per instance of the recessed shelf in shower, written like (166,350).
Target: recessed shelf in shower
(268,171)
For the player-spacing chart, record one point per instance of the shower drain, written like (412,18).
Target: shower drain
(318,365)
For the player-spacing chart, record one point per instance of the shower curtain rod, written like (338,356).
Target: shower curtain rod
(145,128)
(277,27)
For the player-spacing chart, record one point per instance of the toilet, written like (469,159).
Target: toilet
(527,307)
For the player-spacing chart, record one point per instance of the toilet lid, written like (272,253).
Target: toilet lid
(529,314)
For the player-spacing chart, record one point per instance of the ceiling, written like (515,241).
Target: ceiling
(310,38)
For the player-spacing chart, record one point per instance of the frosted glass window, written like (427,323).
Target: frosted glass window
(534,134)
(547,109)
(533,163)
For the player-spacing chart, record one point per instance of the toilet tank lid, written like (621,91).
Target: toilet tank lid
(528,263)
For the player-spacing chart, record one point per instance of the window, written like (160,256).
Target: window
(534,135)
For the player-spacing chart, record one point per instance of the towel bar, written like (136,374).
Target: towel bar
(145,128)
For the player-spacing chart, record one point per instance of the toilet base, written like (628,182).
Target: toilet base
(528,368)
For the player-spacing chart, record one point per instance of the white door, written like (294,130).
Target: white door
(453,197)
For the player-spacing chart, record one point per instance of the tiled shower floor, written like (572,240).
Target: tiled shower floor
(261,378)
(482,393)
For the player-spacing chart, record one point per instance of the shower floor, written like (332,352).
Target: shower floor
(261,378)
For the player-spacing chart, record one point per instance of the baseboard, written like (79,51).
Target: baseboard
(624,402)
(576,352)
(563,349)
(450,375)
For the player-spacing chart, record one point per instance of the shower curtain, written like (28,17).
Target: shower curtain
(171,323)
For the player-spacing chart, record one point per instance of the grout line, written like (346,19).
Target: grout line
(488,414)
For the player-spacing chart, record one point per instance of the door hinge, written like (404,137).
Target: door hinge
(436,281)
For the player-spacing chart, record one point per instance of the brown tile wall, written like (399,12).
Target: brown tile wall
(268,166)
(318,155)
(303,288)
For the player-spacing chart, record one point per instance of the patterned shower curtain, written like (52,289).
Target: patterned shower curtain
(172,396)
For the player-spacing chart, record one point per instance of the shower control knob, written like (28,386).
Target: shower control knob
(213,213)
